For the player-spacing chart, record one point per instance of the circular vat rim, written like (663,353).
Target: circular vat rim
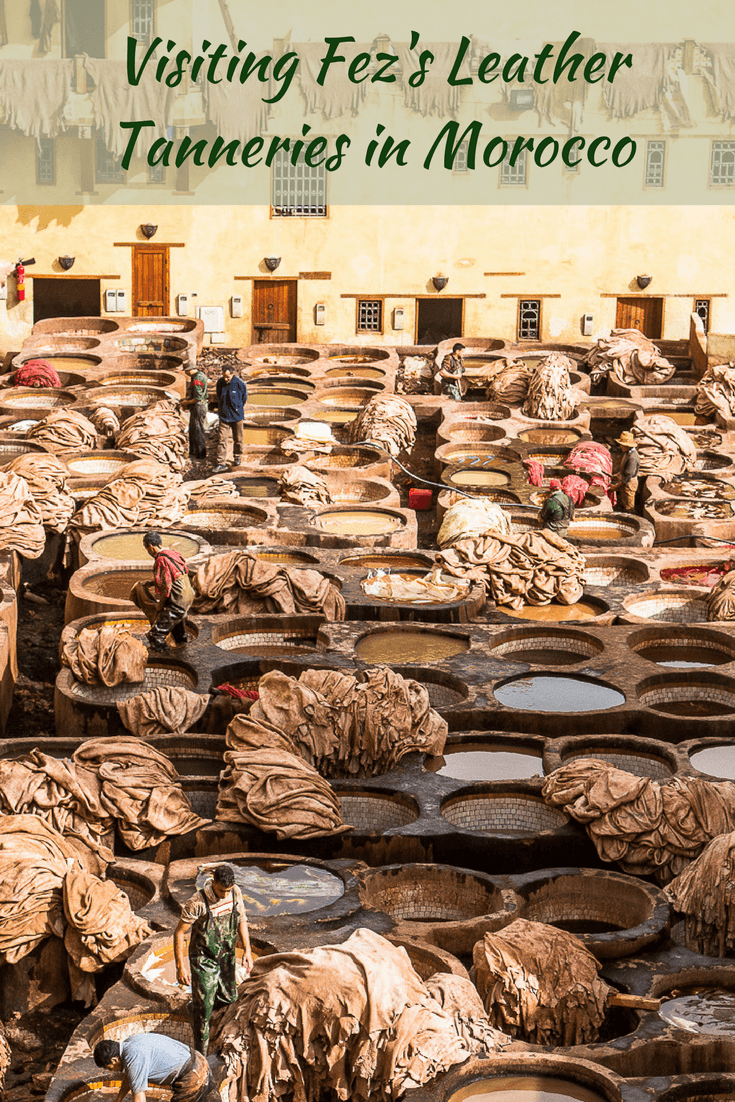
(597,681)
(644,637)
(486,790)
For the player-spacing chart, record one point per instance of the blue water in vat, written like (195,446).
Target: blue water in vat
(542,693)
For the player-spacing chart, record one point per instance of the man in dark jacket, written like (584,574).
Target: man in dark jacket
(232,394)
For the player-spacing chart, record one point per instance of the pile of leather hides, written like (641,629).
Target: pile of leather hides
(350,1021)
(716,391)
(21,521)
(36,373)
(647,827)
(540,984)
(165,710)
(158,432)
(703,894)
(473,517)
(533,568)
(64,430)
(46,478)
(238,583)
(109,655)
(388,420)
(304,487)
(213,489)
(507,381)
(343,725)
(551,396)
(663,446)
(49,888)
(106,782)
(721,598)
(105,420)
(142,493)
(593,459)
(416,375)
(5,1055)
(431,589)
(633,359)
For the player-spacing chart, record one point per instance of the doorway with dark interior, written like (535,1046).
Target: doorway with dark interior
(66,298)
(438,319)
(84,28)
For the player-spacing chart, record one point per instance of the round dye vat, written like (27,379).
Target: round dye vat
(718,761)
(358,522)
(337,416)
(489,764)
(284,889)
(258,487)
(700,487)
(129,548)
(117,585)
(548,436)
(255,436)
(696,510)
(409,646)
(525,1088)
(72,363)
(371,562)
(684,658)
(362,373)
(353,359)
(693,708)
(541,693)
(604,530)
(581,610)
(478,478)
(710,1011)
(685,416)
(274,398)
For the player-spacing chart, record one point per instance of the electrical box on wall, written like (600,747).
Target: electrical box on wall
(588,325)
(320,314)
(236,306)
(398,316)
(111,301)
(182,305)
(121,302)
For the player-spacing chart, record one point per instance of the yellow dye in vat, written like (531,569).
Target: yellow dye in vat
(369,562)
(548,436)
(363,373)
(129,548)
(479,478)
(338,416)
(353,359)
(358,522)
(409,646)
(681,416)
(262,436)
(273,398)
(582,610)
(525,1088)
(70,363)
(598,531)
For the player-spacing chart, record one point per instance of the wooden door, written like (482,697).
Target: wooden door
(150,281)
(274,311)
(644,314)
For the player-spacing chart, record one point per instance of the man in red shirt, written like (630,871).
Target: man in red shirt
(173,590)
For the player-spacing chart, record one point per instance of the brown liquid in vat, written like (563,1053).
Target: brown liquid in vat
(598,532)
(70,363)
(117,585)
(273,398)
(548,436)
(362,373)
(261,436)
(409,646)
(359,522)
(338,416)
(582,610)
(479,478)
(525,1088)
(130,548)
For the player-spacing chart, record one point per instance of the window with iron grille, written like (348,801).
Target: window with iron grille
(529,319)
(107,166)
(460,158)
(514,175)
(722,164)
(157,173)
(46,161)
(298,190)
(370,315)
(702,308)
(142,20)
(655,163)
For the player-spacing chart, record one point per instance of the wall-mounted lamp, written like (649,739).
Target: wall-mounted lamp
(440,282)
(66,262)
(643,281)
(148,230)
(271,262)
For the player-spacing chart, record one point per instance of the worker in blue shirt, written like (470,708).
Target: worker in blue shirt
(232,394)
(155,1059)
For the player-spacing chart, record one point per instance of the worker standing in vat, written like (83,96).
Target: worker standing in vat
(232,394)
(198,403)
(557,512)
(147,1058)
(215,916)
(173,591)
(451,374)
(625,481)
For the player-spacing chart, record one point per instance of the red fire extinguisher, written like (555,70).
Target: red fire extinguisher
(20,277)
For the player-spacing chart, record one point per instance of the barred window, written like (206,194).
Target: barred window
(370,315)
(46,161)
(157,173)
(722,164)
(702,308)
(655,163)
(529,319)
(298,190)
(142,20)
(107,166)
(514,175)
(460,158)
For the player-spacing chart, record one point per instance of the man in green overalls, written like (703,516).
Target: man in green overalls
(215,916)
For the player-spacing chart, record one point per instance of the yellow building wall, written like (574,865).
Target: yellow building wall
(584,255)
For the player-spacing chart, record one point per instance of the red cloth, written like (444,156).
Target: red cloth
(535,471)
(699,574)
(168,566)
(595,460)
(239,694)
(36,373)
(575,488)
